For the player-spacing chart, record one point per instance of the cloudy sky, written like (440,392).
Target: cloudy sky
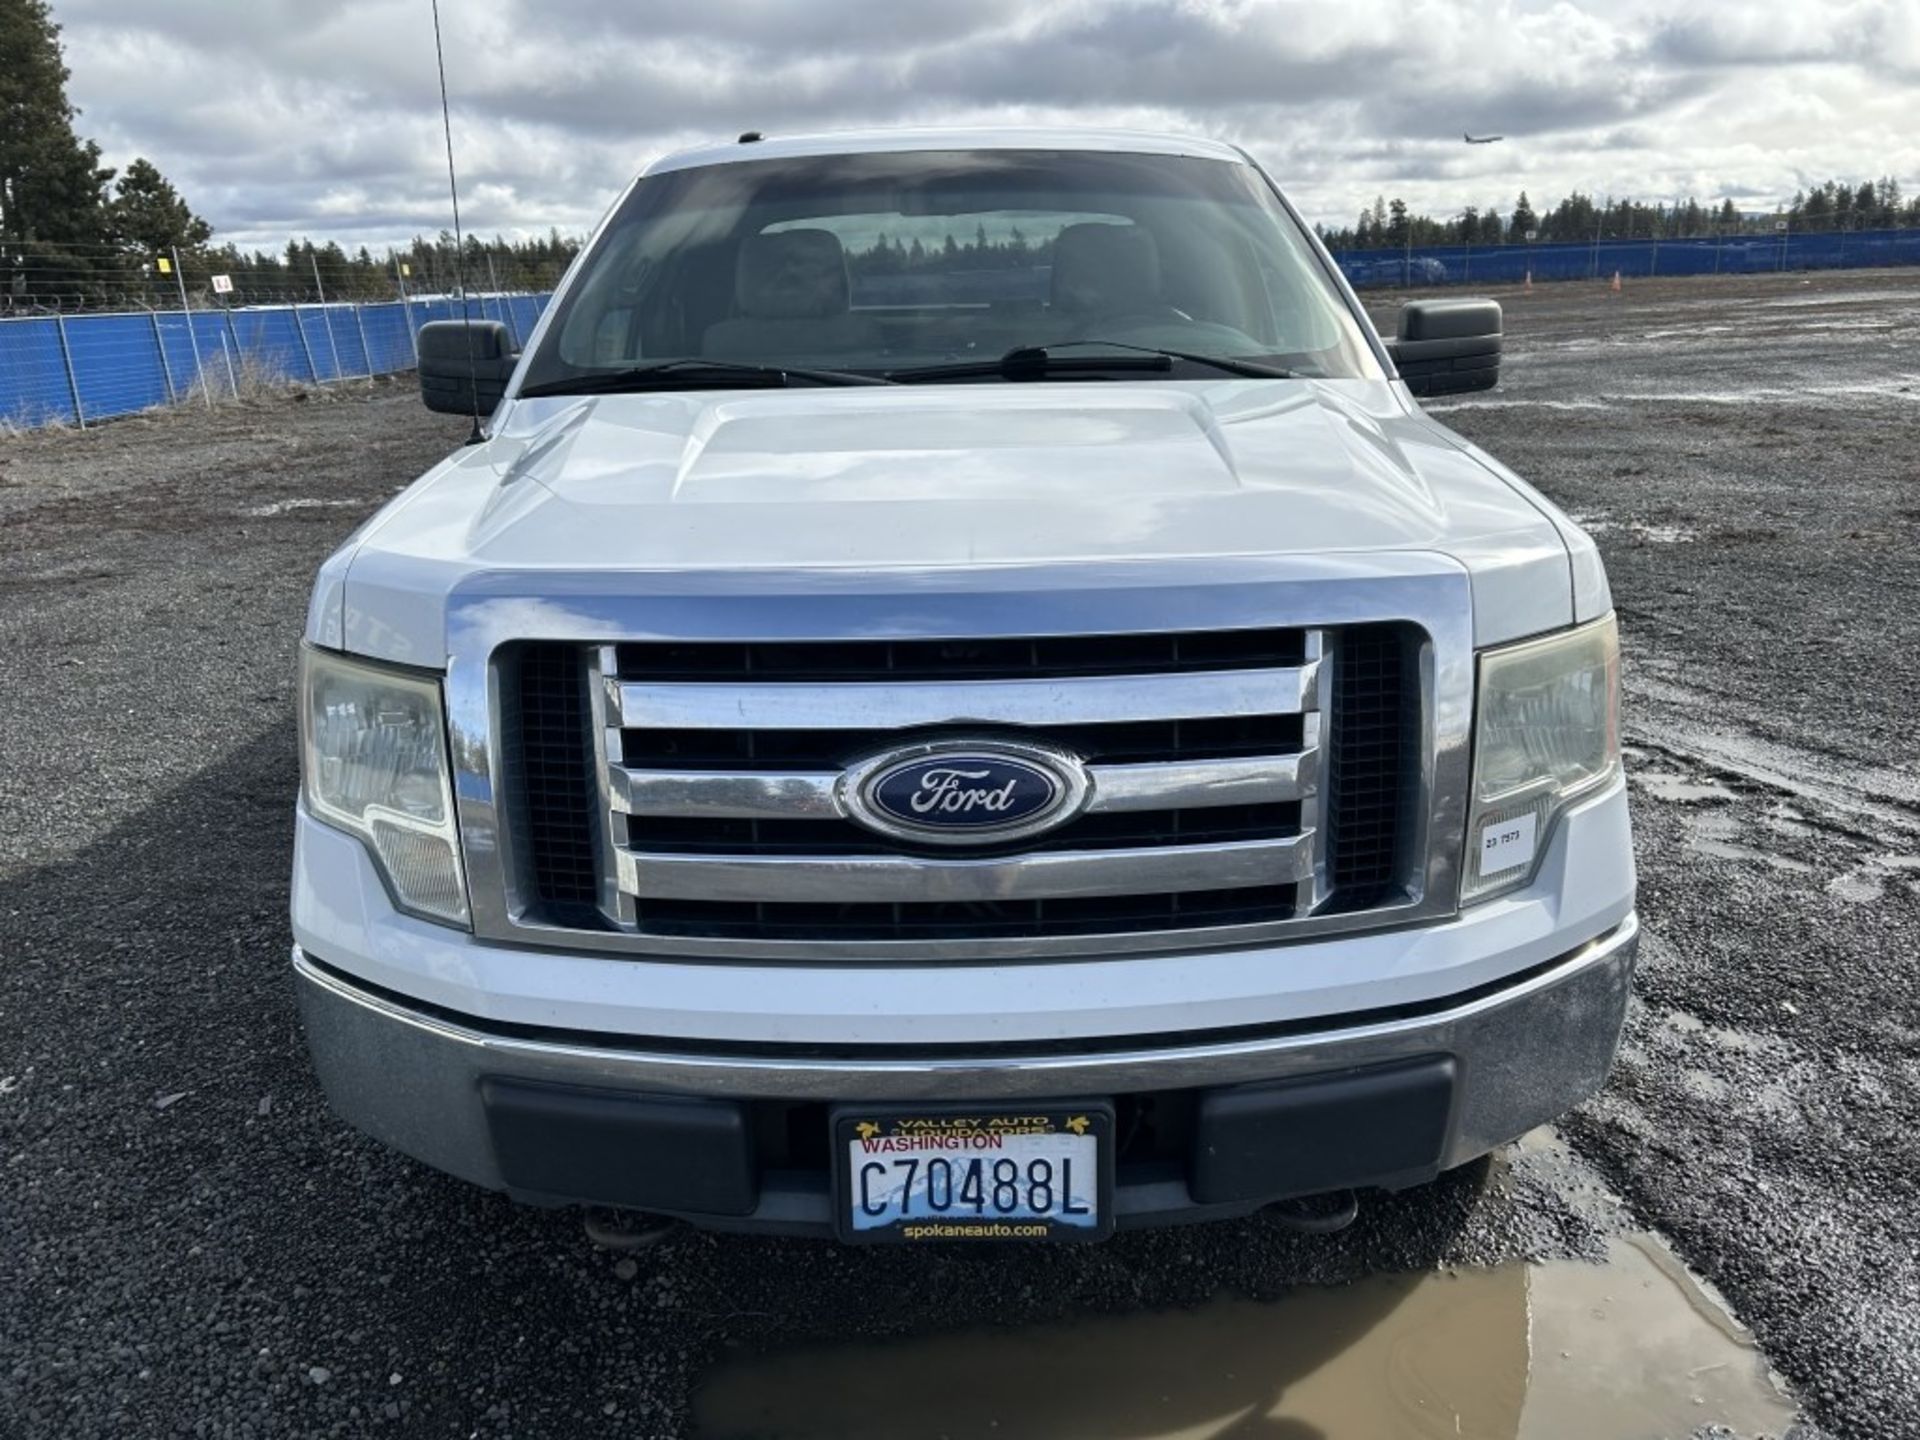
(320,117)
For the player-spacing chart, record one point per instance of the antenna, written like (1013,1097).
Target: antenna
(459,245)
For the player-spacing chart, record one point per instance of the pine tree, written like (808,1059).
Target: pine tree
(1397,232)
(51,182)
(1523,219)
(1864,202)
(148,216)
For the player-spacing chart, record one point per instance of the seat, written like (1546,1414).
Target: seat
(791,289)
(1106,276)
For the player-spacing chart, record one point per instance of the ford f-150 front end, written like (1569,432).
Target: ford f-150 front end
(961,696)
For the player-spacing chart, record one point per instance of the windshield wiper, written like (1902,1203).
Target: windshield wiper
(693,373)
(1035,362)
(1232,364)
(1029,362)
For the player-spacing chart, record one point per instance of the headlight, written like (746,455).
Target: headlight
(374,763)
(1546,731)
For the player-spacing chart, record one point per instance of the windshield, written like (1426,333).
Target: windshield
(879,264)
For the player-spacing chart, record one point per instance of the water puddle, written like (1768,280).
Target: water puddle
(1563,1350)
(1869,882)
(1879,799)
(1900,388)
(1727,850)
(1680,789)
(1516,404)
(299,502)
(1601,523)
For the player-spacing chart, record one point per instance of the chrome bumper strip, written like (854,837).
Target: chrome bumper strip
(1146,1066)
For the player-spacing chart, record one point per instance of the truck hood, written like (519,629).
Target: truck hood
(932,478)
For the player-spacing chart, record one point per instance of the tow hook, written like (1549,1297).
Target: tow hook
(626,1229)
(1317,1214)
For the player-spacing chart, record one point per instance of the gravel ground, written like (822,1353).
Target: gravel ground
(191,1245)
(1749,471)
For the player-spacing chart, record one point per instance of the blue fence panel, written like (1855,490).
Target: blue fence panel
(187,369)
(389,340)
(345,321)
(1497,265)
(1816,252)
(116,362)
(494,307)
(1685,257)
(1867,248)
(33,374)
(1639,257)
(266,337)
(219,351)
(323,346)
(526,311)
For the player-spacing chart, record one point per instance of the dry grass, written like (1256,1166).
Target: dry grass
(246,376)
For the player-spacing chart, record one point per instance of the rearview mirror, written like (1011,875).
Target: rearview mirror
(1448,346)
(452,385)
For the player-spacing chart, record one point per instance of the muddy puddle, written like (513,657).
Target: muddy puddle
(1560,1351)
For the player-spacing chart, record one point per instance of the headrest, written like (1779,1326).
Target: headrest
(1104,269)
(791,275)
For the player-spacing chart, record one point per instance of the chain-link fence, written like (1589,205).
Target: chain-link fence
(77,368)
(1601,258)
(47,278)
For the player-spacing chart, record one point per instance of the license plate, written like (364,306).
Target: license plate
(975,1174)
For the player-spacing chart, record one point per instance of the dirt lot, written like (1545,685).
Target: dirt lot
(190,1244)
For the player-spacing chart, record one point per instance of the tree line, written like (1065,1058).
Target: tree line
(1835,205)
(76,234)
(305,271)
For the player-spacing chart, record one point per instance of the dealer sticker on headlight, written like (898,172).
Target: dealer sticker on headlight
(1508,845)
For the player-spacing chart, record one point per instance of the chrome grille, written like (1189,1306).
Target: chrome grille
(721,765)
(1393,860)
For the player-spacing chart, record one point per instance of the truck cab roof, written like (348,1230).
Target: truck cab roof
(893,141)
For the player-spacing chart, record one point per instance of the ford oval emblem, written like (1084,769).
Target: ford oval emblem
(965,792)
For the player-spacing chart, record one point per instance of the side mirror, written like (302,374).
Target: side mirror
(448,383)
(1448,346)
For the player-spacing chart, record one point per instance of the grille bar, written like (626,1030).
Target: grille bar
(812,795)
(1101,700)
(727,794)
(868,879)
(978,658)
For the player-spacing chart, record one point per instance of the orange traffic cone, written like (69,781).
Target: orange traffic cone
(1616,282)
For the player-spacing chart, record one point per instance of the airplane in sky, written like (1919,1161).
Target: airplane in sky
(1480,139)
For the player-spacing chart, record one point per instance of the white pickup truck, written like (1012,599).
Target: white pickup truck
(958,695)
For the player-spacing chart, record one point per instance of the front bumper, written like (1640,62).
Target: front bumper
(734,1136)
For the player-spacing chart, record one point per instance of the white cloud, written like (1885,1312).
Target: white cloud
(281,117)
